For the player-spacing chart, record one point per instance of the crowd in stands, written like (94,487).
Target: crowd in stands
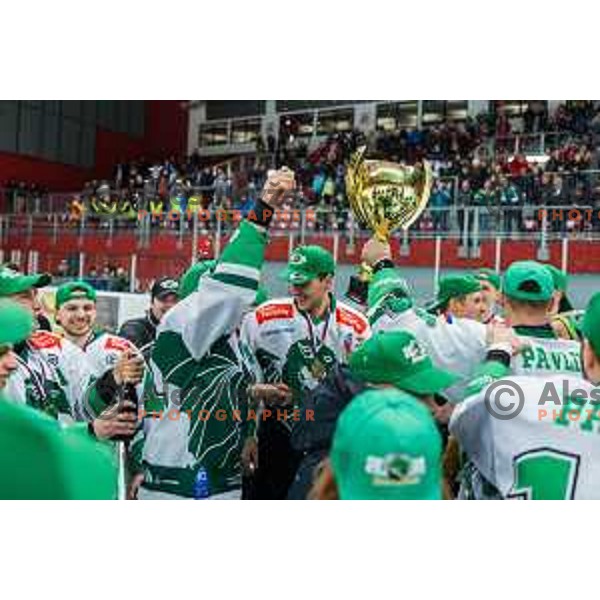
(21,196)
(470,172)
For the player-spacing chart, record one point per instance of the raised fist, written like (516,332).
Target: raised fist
(278,187)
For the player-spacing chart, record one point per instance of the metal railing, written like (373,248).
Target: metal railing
(459,222)
(532,143)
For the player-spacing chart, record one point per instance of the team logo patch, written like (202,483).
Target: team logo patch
(297,258)
(170,284)
(414,352)
(116,343)
(395,469)
(345,317)
(274,311)
(43,340)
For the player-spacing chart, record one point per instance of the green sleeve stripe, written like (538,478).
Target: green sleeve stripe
(246,246)
(241,270)
(173,358)
(236,280)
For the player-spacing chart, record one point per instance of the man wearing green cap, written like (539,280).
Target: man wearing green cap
(296,342)
(199,372)
(490,289)
(76,315)
(550,449)
(386,447)
(111,357)
(38,458)
(460,296)
(388,359)
(461,346)
(53,374)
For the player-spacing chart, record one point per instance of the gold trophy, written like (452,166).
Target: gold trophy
(386,196)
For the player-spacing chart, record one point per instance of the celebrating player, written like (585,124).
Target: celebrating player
(53,374)
(490,289)
(460,296)
(39,460)
(108,355)
(460,346)
(199,371)
(546,449)
(386,447)
(296,341)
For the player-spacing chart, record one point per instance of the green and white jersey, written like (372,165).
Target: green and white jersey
(548,451)
(460,345)
(293,348)
(198,374)
(53,376)
(104,349)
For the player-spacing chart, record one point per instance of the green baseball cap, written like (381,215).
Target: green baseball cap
(529,281)
(453,286)
(489,275)
(54,463)
(16,323)
(191,278)
(13,282)
(590,327)
(385,282)
(387,446)
(560,280)
(74,290)
(307,263)
(397,358)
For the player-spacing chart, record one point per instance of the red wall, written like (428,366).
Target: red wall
(166,256)
(165,134)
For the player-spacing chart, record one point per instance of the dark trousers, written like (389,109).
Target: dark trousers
(277,462)
(305,476)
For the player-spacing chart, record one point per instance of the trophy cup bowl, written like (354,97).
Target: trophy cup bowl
(386,196)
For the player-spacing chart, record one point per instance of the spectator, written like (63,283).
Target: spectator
(464,201)
(509,200)
(486,201)
(440,203)
(142,331)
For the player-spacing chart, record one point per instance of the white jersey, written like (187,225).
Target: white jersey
(290,347)
(547,451)
(460,346)
(104,349)
(53,376)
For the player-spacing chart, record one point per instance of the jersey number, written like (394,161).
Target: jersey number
(545,474)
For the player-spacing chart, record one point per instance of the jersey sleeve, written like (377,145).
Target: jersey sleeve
(457,346)
(471,425)
(215,309)
(249,344)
